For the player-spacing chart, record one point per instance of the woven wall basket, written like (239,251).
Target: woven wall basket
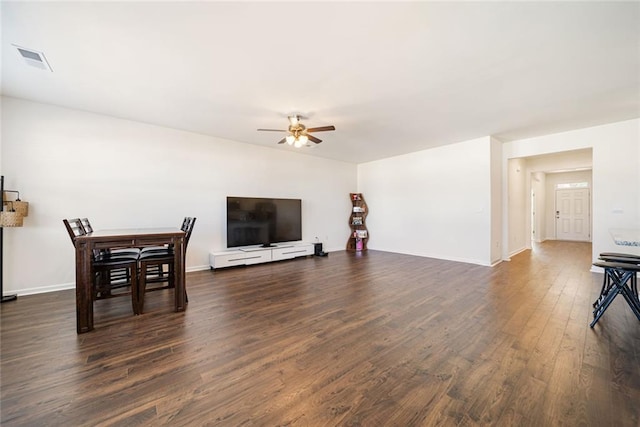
(21,207)
(10,219)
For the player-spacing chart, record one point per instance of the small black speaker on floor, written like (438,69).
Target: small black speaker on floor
(317,250)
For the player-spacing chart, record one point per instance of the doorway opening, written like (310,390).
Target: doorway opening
(532,184)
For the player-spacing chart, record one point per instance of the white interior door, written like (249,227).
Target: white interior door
(573,214)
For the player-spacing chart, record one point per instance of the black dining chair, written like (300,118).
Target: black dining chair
(115,275)
(102,265)
(74,228)
(86,224)
(151,264)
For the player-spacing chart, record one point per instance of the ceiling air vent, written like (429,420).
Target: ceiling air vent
(33,58)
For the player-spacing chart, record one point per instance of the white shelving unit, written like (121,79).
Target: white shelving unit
(258,255)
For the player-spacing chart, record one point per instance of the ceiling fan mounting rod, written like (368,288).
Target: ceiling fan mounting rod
(294,119)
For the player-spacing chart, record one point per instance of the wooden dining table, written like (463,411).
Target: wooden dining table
(123,238)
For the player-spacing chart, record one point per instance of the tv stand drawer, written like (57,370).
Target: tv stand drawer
(234,258)
(278,254)
(249,256)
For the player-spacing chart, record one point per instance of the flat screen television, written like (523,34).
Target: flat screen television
(263,221)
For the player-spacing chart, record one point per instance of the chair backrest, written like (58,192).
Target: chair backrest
(86,225)
(187,227)
(74,228)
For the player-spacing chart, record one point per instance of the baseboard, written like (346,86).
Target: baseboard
(42,289)
(517,251)
(72,285)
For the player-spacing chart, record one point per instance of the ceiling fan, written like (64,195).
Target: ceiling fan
(299,133)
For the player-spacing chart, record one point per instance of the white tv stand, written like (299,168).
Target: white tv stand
(259,255)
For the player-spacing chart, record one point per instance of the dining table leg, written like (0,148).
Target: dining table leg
(180,291)
(84,299)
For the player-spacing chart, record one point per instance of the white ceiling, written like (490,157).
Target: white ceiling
(392,77)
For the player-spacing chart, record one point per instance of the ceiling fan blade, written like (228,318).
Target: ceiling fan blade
(282,141)
(314,139)
(274,130)
(321,129)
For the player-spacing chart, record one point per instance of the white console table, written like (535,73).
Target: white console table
(258,255)
(626,236)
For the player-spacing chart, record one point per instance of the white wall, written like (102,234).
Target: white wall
(615,174)
(433,203)
(539,188)
(496,200)
(436,203)
(120,173)
(518,195)
(574,159)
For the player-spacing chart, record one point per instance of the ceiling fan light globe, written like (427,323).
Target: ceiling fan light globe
(298,143)
(303,139)
(290,139)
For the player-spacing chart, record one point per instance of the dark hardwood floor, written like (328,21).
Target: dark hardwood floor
(379,339)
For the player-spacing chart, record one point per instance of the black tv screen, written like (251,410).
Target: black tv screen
(262,221)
